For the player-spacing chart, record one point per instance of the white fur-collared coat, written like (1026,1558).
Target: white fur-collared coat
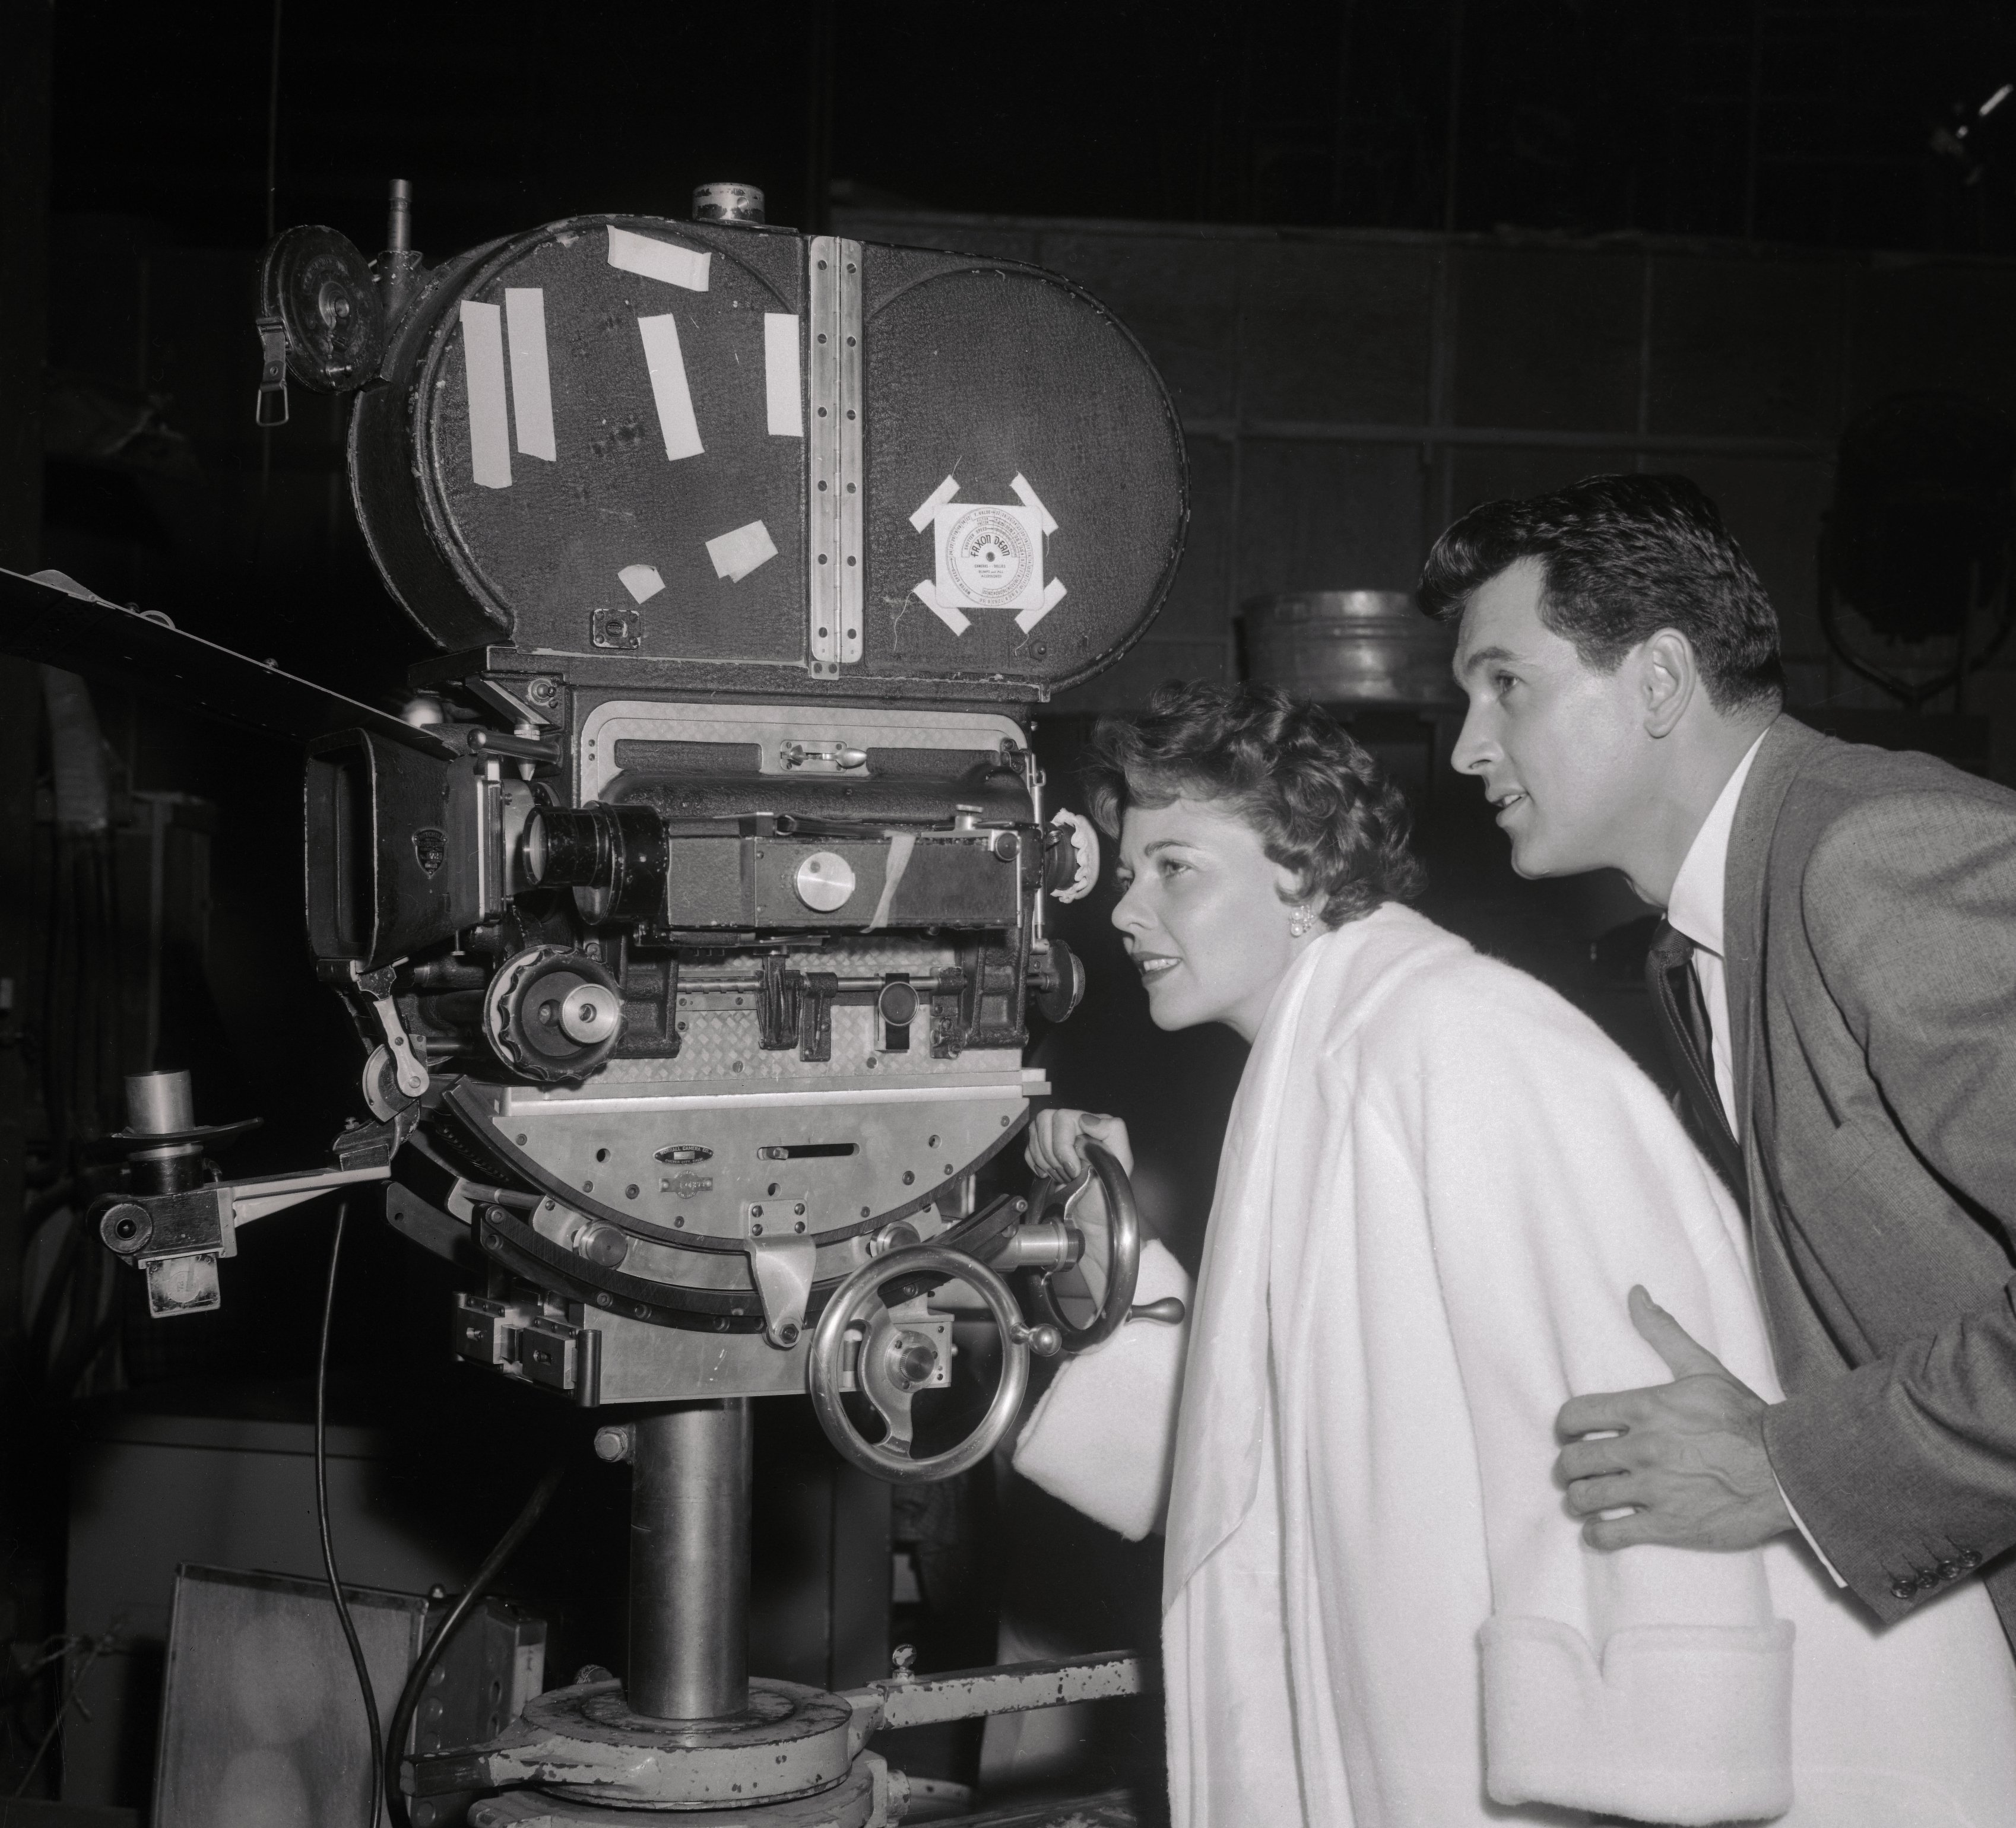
(1438,1184)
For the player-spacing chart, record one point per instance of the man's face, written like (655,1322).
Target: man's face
(1560,748)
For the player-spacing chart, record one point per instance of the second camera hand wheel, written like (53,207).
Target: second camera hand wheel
(1123,1258)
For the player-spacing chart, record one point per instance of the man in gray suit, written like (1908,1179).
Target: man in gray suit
(1837,979)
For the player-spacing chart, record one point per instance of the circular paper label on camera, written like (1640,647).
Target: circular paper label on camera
(990,558)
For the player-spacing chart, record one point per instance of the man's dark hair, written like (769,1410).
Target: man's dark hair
(1322,806)
(1622,557)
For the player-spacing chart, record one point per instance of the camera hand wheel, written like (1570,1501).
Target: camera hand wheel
(889,1355)
(1123,1257)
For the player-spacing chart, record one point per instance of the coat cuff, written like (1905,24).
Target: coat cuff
(1684,1724)
(1842,1465)
(1104,1437)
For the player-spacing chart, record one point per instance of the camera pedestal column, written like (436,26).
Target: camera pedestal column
(691,1731)
(689,1560)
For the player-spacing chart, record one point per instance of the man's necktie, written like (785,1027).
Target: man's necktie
(1677,994)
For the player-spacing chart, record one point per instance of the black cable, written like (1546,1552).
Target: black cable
(45,1206)
(321,1521)
(409,1696)
(55,1291)
(71,1372)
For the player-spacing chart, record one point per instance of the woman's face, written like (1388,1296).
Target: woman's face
(1204,911)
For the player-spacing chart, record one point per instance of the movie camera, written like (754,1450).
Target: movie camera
(692,912)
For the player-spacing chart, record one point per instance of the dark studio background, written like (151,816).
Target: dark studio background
(1391,259)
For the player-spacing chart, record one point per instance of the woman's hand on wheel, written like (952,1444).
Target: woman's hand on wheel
(1055,1137)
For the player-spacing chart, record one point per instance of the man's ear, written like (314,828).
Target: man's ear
(1667,679)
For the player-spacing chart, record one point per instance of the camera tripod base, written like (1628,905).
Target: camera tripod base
(871,1796)
(586,1744)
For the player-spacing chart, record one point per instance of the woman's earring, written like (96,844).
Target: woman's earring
(1300,922)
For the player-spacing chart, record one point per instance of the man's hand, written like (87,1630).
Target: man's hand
(1687,1457)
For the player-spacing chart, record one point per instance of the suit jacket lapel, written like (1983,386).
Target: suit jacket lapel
(1788,744)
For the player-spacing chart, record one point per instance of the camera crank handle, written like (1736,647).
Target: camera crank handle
(1043,1342)
(1170,1310)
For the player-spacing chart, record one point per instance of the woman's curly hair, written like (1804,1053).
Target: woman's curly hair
(1322,806)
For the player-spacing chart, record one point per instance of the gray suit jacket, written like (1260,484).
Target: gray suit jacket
(1871,962)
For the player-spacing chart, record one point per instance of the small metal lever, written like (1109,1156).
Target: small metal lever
(797,754)
(1170,1310)
(407,1068)
(270,408)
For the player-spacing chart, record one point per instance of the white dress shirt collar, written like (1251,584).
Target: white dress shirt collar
(1695,908)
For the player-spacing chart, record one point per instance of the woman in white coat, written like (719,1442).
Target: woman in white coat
(1439,1183)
